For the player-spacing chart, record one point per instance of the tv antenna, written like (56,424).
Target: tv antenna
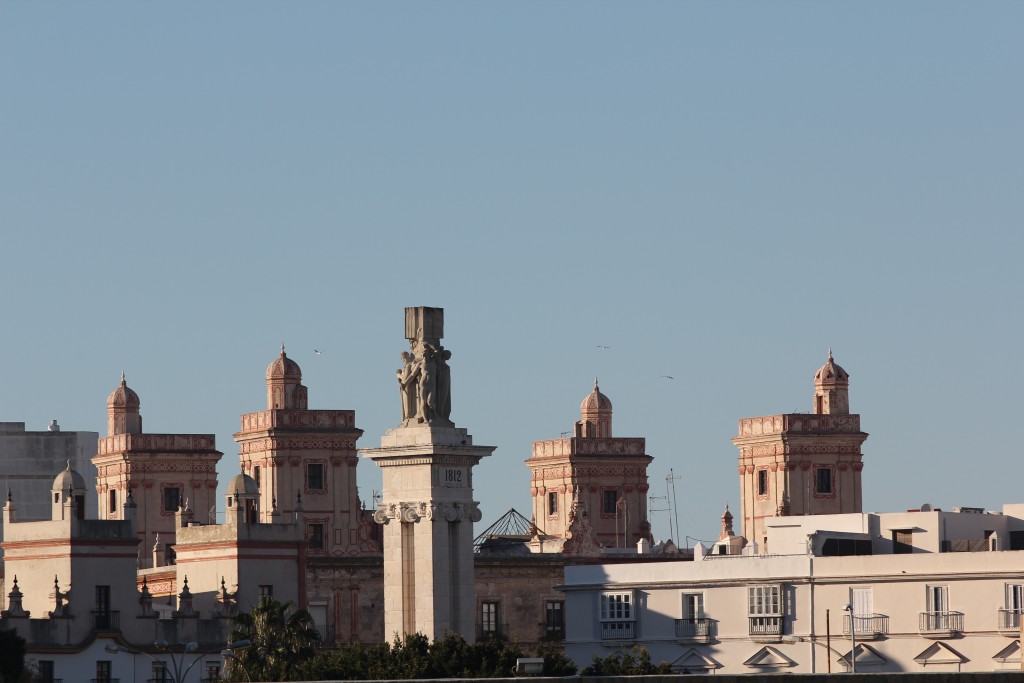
(673,504)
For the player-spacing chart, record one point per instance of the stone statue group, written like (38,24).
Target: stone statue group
(425,381)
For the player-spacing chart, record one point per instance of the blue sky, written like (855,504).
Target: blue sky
(717,191)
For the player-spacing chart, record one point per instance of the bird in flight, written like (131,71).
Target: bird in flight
(668,376)
(603,347)
(317,352)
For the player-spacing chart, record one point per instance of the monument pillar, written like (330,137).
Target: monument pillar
(428,509)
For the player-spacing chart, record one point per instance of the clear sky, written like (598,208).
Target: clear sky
(717,191)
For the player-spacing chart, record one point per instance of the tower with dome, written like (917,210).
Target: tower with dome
(592,473)
(163,473)
(802,463)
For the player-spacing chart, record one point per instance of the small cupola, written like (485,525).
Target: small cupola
(284,384)
(595,415)
(831,389)
(123,415)
(243,499)
(68,494)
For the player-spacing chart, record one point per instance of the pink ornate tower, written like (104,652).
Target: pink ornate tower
(607,475)
(163,472)
(802,463)
(296,454)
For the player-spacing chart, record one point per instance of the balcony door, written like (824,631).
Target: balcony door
(860,600)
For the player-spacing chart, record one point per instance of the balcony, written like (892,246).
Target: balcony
(867,626)
(1009,621)
(694,630)
(326,632)
(766,629)
(492,631)
(941,624)
(618,630)
(105,620)
(554,634)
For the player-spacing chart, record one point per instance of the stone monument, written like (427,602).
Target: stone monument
(428,509)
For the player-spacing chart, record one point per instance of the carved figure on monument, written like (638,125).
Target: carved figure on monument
(427,385)
(408,384)
(424,379)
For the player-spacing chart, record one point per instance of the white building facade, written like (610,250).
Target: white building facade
(923,590)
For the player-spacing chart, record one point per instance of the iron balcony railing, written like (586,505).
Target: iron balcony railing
(693,628)
(618,630)
(326,632)
(492,631)
(867,624)
(1009,619)
(766,625)
(103,620)
(554,633)
(941,622)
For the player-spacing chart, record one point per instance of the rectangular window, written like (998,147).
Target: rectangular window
(103,671)
(764,610)
(610,501)
(315,476)
(257,476)
(1009,618)
(552,503)
(212,671)
(938,598)
(172,499)
(823,480)
(554,611)
(488,618)
(617,616)
(45,669)
(861,616)
(160,674)
(762,482)
(266,591)
(315,532)
(112,507)
(693,606)
(1015,596)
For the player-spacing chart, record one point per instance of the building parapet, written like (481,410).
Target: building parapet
(165,443)
(613,446)
(298,419)
(798,422)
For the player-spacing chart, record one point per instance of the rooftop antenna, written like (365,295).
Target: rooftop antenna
(673,504)
(651,509)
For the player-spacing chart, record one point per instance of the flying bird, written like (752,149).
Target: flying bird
(603,347)
(317,352)
(668,376)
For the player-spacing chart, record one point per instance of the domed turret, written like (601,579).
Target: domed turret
(595,415)
(68,487)
(243,485)
(243,500)
(595,401)
(284,384)
(123,411)
(284,367)
(69,479)
(831,389)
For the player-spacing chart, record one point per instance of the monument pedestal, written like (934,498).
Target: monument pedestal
(428,513)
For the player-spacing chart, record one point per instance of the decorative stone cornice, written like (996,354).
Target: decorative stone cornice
(414,511)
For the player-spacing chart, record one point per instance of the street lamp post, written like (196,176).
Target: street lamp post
(187,648)
(853,638)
